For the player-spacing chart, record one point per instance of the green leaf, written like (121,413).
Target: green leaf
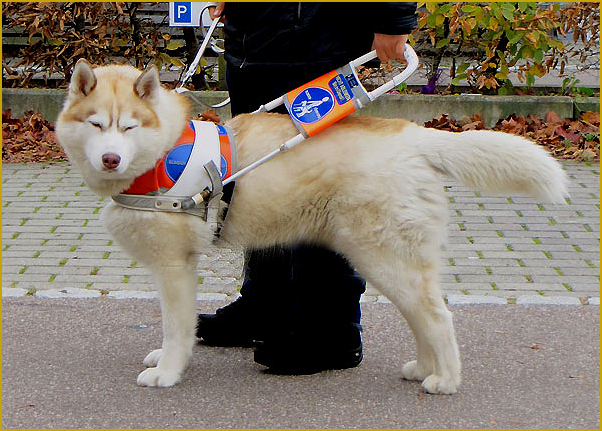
(462,68)
(508,14)
(445,8)
(501,75)
(176,62)
(587,91)
(513,36)
(496,10)
(538,56)
(430,20)
(442,43)
(402,87)
(174,44)
(432,7)
(458,78)
(526,51)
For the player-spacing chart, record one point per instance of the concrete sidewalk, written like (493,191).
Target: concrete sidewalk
(72,363)
(501,249)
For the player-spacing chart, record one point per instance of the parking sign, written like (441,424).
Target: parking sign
(185,13)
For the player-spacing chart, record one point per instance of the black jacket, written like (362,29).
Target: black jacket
(300,34)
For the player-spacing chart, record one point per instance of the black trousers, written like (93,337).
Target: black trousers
(306,284)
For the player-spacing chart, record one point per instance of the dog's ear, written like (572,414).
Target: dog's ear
(147,83)
(83,79)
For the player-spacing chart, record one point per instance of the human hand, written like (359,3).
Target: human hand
(217,11)
(389,47)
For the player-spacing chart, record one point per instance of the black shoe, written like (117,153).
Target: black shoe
(235,325)
(296,354)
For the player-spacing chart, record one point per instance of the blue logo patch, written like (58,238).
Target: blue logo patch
(341,90)
(312,104)
(223,166)
(176,160)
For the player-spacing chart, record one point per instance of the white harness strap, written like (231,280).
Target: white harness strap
(206,148)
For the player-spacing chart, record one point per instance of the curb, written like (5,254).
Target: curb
(414,107)
(451,299)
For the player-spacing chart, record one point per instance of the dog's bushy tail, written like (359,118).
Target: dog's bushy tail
(496,162)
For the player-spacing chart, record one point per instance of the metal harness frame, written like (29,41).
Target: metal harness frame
(205,204)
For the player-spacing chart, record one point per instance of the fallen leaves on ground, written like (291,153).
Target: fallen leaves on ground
(31,139)
(564,138)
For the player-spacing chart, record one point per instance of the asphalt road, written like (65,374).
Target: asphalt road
(72,363)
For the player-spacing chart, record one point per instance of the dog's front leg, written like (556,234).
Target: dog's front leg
(177,290)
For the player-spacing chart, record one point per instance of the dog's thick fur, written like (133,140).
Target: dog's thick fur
(368,188)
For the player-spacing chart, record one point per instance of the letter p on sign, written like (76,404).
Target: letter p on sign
(185,14)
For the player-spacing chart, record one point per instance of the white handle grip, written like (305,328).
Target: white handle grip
(411,58)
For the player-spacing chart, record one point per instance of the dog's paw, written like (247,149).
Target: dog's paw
(435,384)
(156,377)
(152,359)
(412,371)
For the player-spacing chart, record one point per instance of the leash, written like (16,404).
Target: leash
(197,58)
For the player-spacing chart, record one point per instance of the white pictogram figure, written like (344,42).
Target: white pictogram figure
(306,106)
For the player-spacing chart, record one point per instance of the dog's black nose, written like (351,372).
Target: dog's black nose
(110,160)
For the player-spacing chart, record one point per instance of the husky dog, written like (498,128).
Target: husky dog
(367,188)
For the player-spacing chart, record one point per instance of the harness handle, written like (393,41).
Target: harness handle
(356,97)
(410,56)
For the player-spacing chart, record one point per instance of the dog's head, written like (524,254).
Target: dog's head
(117,122)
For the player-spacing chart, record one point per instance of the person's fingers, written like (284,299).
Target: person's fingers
(216,11)
(389,47)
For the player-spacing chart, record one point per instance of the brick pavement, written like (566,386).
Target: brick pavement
(501,249)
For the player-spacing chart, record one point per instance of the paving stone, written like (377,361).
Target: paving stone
(547,300)
(13,292)
(382,300)
(132,294)
(211,296)
(67,293)
(537,287)
(367,298)
(474,299)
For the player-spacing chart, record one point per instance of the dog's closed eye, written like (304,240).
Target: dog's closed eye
(96,124)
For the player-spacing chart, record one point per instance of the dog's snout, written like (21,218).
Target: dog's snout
(111,160)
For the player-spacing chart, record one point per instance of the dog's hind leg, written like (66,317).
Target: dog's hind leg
(177,290)
(414,289)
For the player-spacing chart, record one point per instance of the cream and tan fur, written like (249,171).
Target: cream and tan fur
(368,188)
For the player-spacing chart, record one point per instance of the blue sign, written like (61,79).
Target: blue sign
(182,12)
(312,104)
(176,160)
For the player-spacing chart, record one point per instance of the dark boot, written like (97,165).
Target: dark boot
(230,326)
(311,350)
(261,306)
